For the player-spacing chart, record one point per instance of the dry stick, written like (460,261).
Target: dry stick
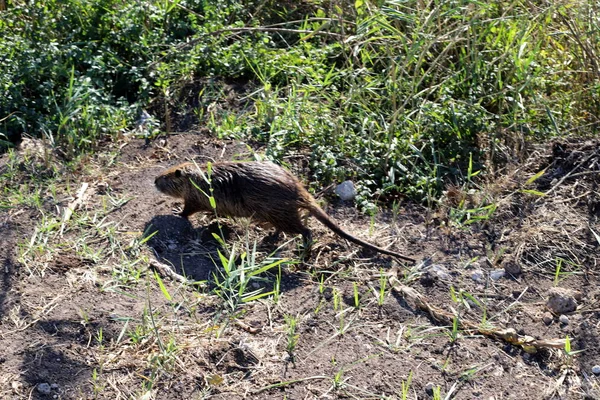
(73,205)
(568,175)
(528,343)
(167,271)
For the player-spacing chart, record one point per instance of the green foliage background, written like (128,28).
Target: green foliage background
(398,94)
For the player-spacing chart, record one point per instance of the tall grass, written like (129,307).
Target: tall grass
(398,95)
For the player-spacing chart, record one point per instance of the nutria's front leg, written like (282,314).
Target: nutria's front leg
(186,212)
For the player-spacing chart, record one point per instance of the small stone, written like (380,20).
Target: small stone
(497,274)
(440,271)
(429,388)
(563,319)
(54,386)
(596,370)
(478,276)
(511,267)
(346,190)
(561,301)
(547,318)
(472,304)
(44,388)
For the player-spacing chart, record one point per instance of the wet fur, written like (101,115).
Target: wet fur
(262,191)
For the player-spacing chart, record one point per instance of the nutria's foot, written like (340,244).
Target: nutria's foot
(177,210)
(181,212)
(306,249)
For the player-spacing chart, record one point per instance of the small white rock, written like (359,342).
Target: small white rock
(563,319)
(346,190)
(497,274)
(596,369)
(561,301)
(440,272)
(478,276)
(44,388)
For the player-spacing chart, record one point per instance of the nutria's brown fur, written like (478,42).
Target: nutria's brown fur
(260,190)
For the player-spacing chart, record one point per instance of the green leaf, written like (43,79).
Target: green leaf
(533,192)
(163,289)
(535,177)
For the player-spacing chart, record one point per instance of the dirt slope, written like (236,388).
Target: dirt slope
(82,315)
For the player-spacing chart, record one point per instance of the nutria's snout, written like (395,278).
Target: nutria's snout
(159,183)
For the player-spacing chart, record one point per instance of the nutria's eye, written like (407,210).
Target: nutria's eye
(177,173)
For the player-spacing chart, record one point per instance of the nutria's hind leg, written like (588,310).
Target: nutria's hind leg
(292,224)
(307,243)
(272,237)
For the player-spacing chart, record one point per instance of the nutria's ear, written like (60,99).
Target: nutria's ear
(177,173)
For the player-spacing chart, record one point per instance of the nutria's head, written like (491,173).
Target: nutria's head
(175,181)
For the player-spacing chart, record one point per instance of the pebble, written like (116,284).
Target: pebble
(429,388)
(346,190)
(563,319)
(512,268)
(561,301)
(547,318)
(44,388)
(440,271)
(478,276)
(497,274)
(596,369)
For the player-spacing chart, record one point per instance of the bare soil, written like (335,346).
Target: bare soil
(82,314)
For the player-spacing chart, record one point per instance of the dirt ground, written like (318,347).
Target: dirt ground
(83,315)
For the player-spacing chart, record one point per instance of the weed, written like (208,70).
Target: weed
(232,280)
(380,295)
(292,336)
(356,295)
(406,386)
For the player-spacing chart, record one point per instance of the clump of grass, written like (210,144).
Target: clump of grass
(234,277)
(292,336)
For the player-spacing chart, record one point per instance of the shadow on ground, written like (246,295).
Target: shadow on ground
(177,243)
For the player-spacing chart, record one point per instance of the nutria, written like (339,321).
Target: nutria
(260,190)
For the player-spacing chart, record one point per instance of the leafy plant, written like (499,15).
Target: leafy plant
(232,280)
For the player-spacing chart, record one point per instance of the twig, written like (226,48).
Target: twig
(73,205)
(167,271)
(509,335)
(568,175)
